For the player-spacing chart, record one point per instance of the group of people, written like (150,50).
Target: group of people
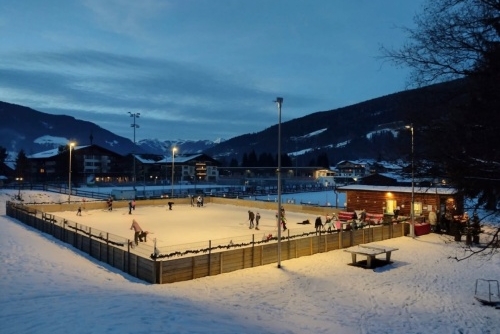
(251,217)
(327,226)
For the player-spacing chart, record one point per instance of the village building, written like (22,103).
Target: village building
(386,199)
(92,164)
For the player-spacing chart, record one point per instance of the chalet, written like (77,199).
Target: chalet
(94,164)
(387,199)
(189,168)
(89,163)
(324,176)
(347,172)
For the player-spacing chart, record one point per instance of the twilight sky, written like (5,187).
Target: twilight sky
(198,69)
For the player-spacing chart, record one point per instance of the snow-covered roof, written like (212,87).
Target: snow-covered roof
(52,153)
(178,159)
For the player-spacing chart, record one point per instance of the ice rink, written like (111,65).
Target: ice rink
(187,224)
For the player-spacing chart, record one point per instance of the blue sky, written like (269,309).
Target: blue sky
(198,69)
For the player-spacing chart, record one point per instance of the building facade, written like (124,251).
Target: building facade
(387,199)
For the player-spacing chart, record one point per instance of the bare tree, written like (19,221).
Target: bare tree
(452,39)
(460,40)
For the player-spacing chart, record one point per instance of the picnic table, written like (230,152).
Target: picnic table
(370,251)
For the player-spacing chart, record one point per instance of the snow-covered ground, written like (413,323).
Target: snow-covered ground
(47,286)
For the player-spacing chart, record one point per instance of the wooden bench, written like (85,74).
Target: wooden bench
(370,251)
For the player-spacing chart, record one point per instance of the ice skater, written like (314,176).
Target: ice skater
(110,204)
(137,231)
(257,218)
(79,212)
(318,224)
(251,217)
(283,219)
(328,223)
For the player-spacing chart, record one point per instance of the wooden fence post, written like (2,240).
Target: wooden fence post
(209,256)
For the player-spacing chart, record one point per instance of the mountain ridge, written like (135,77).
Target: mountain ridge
(368,129)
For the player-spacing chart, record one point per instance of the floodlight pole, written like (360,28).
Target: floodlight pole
(279,101)
(69,172)
(173,168)
(135,126)
(412,214)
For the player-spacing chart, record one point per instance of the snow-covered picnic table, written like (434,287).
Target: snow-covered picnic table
(370,251)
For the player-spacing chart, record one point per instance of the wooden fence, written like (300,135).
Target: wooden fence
(116,252)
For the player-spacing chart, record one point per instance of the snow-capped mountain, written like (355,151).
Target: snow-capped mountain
(34,131)
(371,129)
(157,146)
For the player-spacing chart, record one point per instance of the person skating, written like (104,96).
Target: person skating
(130,207)
(110,204)
(137,231)
(283,223)
(283,219)
(257,218)
(251,217)
(318,224)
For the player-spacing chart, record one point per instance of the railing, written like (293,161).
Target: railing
(193,260)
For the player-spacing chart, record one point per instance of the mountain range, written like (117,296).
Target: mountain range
(370,129)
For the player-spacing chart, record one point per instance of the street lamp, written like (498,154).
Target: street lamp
(412,214)
(135,126)
(71,144)
(279,102)
(19,180)
(173,158)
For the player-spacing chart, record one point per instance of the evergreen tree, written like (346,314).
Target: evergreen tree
(22,166)
(3,154)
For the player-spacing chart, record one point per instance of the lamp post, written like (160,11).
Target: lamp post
(412,214)
(279,102)
(71,144)
(173,166)
(19,180)
(135,126)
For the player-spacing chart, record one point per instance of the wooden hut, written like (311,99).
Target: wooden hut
(387,199)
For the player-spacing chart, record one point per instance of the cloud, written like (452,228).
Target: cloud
(104,83)
(124,16)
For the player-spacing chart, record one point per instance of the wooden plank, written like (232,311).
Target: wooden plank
(233,260)
(200,266)
(177,270)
